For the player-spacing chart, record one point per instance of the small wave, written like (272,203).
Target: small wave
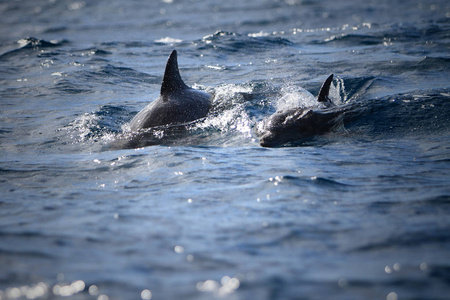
(68,86)
(352,39)
(28,254)
(440,201)
(217,34)
(233,42)
(133,44)
(413,239)
(168,40)
(396,33)
(177,134)
(259,34)
(93,52)
(308,181)
(111,74)
(434,64)
(103,124)
(83,80)
(326,182)
(409,113)
(356,87)
(33,44)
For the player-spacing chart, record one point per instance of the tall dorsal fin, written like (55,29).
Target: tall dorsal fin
(325,90)
(172,81)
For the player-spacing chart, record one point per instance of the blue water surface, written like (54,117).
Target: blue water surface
(361,212)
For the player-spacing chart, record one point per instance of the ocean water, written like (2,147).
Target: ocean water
(359,213)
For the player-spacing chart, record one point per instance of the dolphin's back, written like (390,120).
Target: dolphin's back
(177,108)
(177,103)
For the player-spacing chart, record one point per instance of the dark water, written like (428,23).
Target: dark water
(359,213)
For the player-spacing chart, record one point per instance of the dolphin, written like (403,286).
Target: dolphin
(297,124)
(176,104)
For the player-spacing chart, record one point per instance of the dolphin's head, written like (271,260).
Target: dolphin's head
(285,127)
(299,124)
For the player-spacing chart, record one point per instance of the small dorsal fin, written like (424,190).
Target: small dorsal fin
(172,79)
(325,90)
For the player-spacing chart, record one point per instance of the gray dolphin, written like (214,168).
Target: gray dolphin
(298,124)
(176,104)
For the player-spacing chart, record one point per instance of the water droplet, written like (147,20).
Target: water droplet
(146,295)
(392,296)
(179,249)
(93,290)
(343,282)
